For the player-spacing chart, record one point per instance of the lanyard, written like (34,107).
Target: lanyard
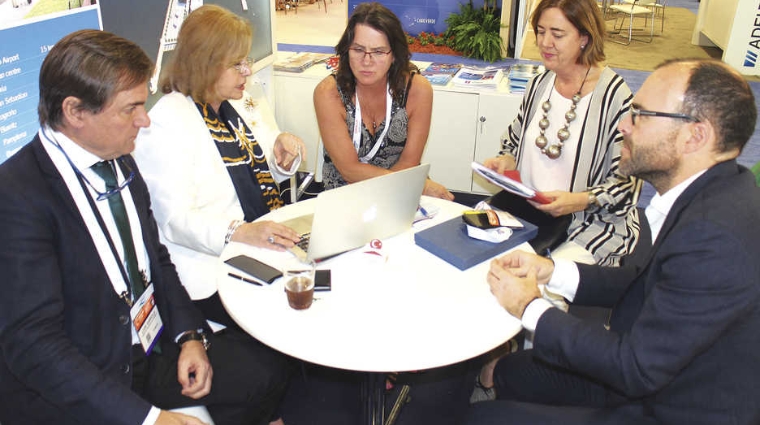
(357,135)
(125,295)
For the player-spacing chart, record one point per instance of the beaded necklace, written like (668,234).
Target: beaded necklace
(554,151)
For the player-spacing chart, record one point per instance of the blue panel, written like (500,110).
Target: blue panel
(421,15)
(22,50)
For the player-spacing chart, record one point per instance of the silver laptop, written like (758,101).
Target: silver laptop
(350,216)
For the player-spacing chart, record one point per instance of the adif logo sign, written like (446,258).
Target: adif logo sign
(750,59)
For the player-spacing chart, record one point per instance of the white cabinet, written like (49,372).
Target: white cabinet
(466,125)
(451,142)
(495,112)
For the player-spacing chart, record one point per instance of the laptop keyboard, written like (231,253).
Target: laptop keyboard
(304,242)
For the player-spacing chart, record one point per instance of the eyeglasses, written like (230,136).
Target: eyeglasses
(359,53)
(102,196)
(636,112)
(243,65)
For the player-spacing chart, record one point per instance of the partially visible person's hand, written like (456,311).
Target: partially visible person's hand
(174,418)
(437,190)
(519,263)
(563,203)
(513,292)
(194,371)
(266,234)
(501,163)
(286,149)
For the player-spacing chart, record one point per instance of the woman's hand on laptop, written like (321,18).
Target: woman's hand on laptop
(266,234)
(437,190)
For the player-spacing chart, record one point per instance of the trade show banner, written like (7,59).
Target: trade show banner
(418,16)
(743,49)
(26,35)
(29,28)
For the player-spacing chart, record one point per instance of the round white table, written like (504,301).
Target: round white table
(406,310)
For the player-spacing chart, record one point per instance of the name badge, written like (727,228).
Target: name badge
(147,320)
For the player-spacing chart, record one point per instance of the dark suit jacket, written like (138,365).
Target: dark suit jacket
(65,334)
(683,338)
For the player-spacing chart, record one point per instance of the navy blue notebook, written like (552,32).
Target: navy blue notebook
(450,242)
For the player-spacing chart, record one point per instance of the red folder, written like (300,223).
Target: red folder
(538,197)
(511,182)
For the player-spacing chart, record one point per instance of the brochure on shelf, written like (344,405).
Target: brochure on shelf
(510,181)
(524,71)
(300,61)
(440,74)
(489,77)
(519,75)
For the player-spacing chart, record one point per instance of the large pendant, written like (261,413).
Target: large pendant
(553,151)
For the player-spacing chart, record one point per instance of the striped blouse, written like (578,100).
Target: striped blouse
(611,230)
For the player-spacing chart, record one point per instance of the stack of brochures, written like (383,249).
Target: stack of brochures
(477,77)
(520,74)
(300,61)
(439,74)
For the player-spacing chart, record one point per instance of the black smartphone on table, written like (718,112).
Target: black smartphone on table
(258,270)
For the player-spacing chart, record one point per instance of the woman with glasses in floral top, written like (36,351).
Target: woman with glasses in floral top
(374,111)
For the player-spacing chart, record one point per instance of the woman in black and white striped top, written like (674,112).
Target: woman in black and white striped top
(564,140)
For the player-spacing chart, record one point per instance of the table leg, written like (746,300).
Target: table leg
(373,396)
(403,398)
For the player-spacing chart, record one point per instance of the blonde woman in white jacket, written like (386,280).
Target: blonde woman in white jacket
(212,156)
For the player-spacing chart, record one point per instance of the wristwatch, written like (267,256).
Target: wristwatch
(194,336)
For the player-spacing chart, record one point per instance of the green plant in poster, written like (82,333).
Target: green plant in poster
(475,32)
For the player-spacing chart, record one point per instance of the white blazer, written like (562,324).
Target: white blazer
(192,195)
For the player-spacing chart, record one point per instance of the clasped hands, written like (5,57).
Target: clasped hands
(514,279)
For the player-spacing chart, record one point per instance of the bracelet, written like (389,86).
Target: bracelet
(231,230)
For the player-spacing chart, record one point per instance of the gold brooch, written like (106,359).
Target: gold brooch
(250,104)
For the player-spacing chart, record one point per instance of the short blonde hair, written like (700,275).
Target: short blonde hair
(211,39)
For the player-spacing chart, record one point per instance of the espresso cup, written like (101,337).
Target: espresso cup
(299,284)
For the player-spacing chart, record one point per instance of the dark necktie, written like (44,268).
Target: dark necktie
(106,171)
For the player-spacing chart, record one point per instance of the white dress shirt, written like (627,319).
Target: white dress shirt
(565,279)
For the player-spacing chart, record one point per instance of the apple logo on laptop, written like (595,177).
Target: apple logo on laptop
(370,214)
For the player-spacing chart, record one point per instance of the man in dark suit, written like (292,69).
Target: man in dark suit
(681,344)
(79,260)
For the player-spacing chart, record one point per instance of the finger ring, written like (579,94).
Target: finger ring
(270,239)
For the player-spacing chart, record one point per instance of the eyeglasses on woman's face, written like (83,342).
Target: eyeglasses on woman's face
(360,54)
(636,112)
(244,65)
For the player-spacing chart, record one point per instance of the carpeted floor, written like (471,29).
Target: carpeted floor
(640,56)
